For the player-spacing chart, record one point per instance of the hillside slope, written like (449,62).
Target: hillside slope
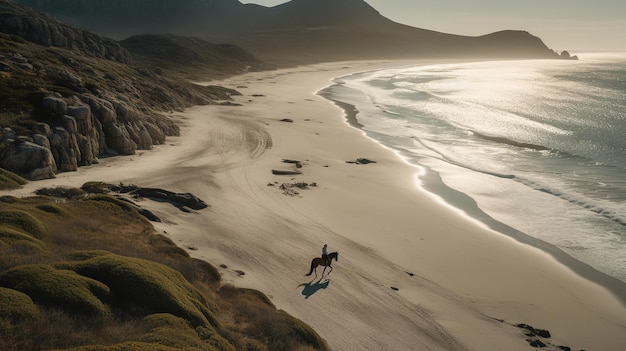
(69,97)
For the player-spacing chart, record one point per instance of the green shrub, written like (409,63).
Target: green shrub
(53,209)
(127,346)
(64,289)
(261,321)
(97,187)
(7,199)
(10,180)
(62,192)
(112,201)
(21,221)
(166,246)
(16,306)
(169,330)
(10,236)
(144,283)
(196,270)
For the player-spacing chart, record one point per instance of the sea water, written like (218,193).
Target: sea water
(538,146)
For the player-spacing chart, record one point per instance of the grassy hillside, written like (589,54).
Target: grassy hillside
(87,272)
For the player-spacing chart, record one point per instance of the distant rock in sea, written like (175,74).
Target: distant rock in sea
(566,55)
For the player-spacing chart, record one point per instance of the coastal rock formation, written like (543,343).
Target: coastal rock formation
(87,129)
(567,56)
(25,157)
(75,96)
(180,200)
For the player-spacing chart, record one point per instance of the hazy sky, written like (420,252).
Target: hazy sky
(562,24)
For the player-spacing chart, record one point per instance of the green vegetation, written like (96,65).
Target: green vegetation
(59,288)
(10,180)
(86,273)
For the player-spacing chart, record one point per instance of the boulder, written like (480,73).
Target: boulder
(28,159)
(42,128)
(55,105)
(65,149)
(66,79)
(102,109)
(156,134)
(118,139)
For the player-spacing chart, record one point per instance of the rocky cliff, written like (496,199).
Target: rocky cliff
(69,97)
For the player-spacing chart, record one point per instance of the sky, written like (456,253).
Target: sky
(583,25)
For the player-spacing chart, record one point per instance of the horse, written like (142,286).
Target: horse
(318,261)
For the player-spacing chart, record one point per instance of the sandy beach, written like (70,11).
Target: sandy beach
(413,273)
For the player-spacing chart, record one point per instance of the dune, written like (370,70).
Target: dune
(413,273)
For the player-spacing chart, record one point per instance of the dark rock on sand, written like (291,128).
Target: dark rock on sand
(178,199)
(536,343)
(534,331)
(361,161)
(285,172)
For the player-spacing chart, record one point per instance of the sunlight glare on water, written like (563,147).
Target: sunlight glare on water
(538,144)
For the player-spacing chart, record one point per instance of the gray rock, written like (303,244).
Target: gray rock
(8,134)
(118,139)
(156,134)
(43,129)
(102,109)
(64,149)
(29,159)
(54,104)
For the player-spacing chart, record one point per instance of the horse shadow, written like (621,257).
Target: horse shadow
(311,287)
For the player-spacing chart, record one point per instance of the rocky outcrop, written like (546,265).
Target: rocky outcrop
(87,128)
(566,56)
(25,157)
(73,94)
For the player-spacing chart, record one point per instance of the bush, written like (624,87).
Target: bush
(59,288)
(127,346)
(62,192)
(97,187)
(12,236)
(277,329)
(144,283)
(22,222)
(53,209)
(169,330)
(16,306)
(10,180)
(123,205)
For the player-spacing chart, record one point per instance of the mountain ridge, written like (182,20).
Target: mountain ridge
(298,31)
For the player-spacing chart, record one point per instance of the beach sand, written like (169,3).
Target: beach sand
(413,273)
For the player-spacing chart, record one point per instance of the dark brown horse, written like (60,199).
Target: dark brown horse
(318,261)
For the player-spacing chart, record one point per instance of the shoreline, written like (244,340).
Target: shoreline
(413,274)
(432,183)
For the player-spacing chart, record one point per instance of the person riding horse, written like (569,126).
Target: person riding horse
(325,255)
(326,261)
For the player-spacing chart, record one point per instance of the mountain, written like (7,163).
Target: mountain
(298,31)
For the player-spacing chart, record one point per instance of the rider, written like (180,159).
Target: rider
(325,254)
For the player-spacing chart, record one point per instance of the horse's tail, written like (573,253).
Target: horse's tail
(312,268)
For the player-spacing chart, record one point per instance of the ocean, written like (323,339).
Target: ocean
(533,148)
